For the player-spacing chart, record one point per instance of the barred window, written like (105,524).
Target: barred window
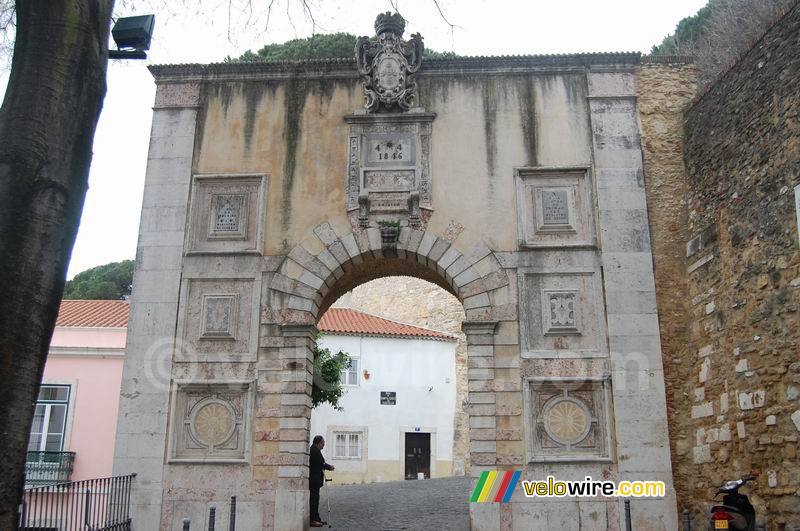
(348,445)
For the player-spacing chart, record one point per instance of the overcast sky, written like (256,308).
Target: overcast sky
(199,32)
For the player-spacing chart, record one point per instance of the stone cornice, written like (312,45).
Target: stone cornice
(346,68)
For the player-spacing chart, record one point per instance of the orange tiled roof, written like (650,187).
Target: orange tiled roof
(93,314)
(347,321)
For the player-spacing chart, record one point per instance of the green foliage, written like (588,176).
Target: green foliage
(106,282)
(314,47)
(687,33)
(327,46)
(327,369)
(390,223)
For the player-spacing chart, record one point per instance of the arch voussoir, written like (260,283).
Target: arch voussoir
(310,262)
(486,283)
(351,248)
(333,265)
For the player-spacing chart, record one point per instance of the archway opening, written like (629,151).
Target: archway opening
(403,415)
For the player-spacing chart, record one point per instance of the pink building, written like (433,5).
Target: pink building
(72,436)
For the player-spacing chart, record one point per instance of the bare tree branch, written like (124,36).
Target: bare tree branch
(269,12)
(732,28)
(441,14)
(310,15)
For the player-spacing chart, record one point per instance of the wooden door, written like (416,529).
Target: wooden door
(418,455)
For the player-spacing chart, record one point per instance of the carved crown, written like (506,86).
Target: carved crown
(389,23)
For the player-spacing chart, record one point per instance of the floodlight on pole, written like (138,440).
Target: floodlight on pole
(132,36)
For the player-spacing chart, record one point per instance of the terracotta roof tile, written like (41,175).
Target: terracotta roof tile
(93,314)
(347,321)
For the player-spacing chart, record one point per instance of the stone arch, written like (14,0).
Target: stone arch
(306,283)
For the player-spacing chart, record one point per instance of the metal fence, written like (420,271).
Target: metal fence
(89,505)
(47,468)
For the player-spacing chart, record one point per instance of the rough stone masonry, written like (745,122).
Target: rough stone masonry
(736,286)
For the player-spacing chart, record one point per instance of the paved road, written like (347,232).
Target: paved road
(408,505)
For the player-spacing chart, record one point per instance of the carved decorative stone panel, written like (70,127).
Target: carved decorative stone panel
(560,311)
(210,421)
(387,64)
(226,214)
(218,319)
(568,420)
(220,316)
(554,207)
(389,172)
(561,314)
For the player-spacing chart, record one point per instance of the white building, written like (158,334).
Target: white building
(399,405)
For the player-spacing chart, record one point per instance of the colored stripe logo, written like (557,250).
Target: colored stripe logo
(495,486)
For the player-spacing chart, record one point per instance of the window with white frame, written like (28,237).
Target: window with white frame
(347,445)
(50,419)
(349,376)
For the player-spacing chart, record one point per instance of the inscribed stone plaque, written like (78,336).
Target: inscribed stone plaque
(390,150)
(388,180)
(388,202)
(555,207)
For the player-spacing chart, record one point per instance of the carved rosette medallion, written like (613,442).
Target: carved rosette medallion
(214,422)
(567,421)
(387,63)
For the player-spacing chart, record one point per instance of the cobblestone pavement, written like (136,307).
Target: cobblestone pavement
(430,504)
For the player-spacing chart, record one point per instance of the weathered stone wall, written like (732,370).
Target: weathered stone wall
(664,87)
(742,149)
(422,303)
(533,214)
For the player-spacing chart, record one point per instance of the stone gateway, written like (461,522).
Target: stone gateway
(517,183)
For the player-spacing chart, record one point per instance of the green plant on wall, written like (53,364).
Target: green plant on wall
(388,223)
(327,387)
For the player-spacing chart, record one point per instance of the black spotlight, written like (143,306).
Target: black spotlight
(132,35)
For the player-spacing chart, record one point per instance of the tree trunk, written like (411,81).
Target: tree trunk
(47,123)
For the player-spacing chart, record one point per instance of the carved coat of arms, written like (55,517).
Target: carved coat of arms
(387,64)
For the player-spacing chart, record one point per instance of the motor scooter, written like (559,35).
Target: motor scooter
(736,512)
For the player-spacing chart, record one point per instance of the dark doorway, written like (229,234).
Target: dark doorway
(418,455)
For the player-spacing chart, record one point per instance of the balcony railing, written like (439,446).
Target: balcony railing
(48,468)
(89,505)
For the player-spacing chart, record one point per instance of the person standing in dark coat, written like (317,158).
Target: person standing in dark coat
(316,478)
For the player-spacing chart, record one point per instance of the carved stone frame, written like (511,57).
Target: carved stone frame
(202,239)
(254,316)
(246,389)
(411,124)
(579,231)
(601,385)
(572,278)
